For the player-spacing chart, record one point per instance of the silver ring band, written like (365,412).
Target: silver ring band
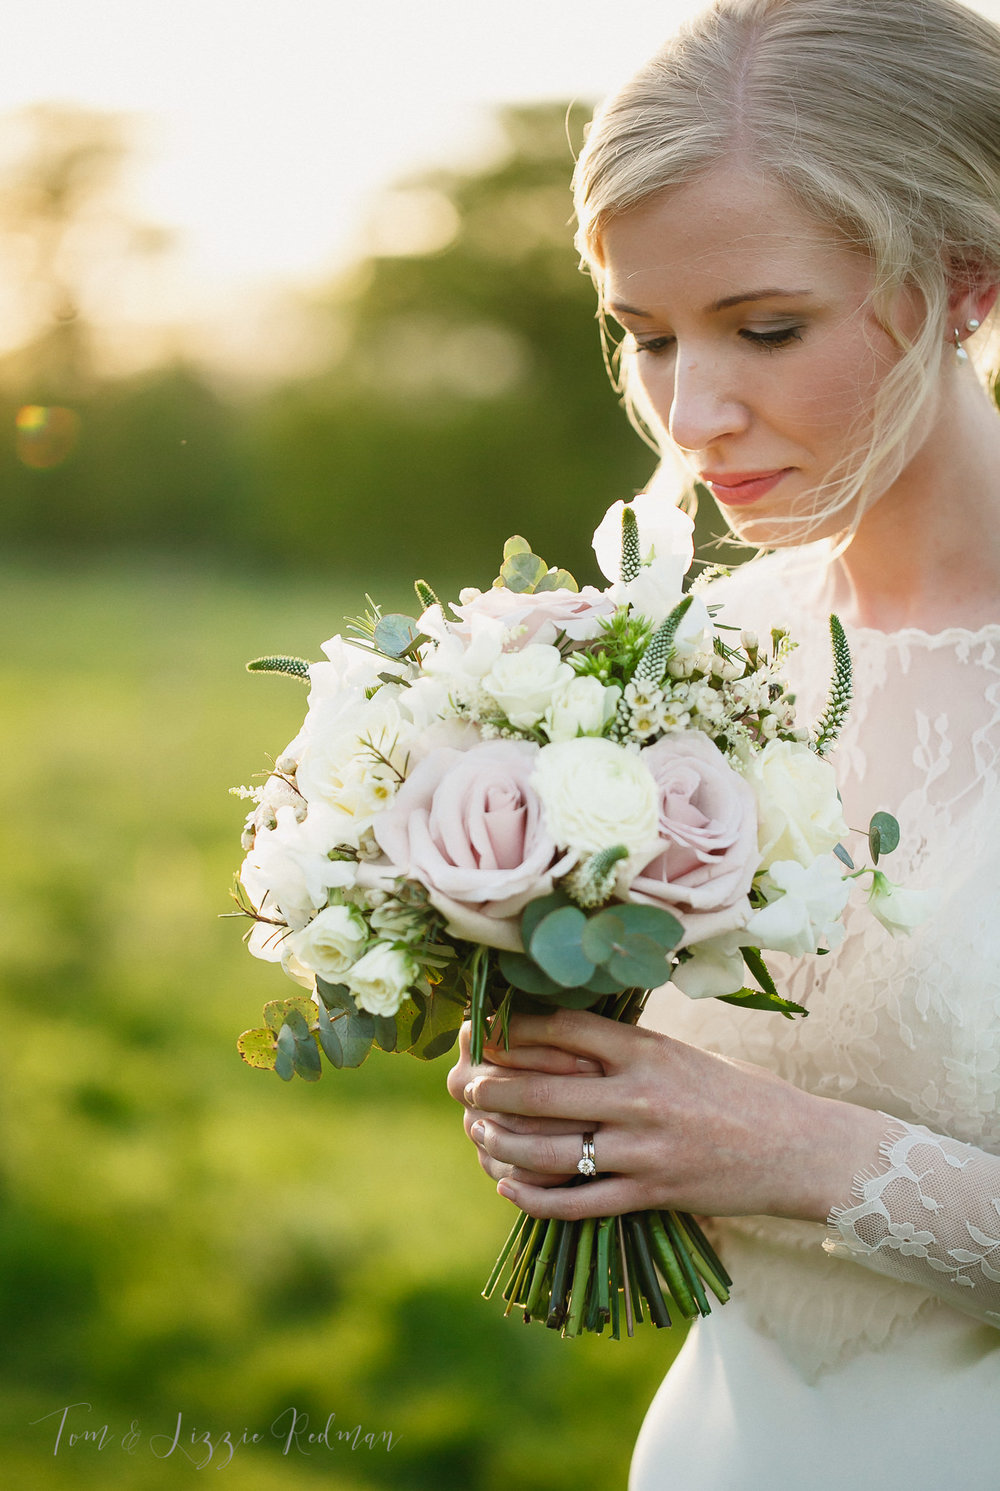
(587,1163)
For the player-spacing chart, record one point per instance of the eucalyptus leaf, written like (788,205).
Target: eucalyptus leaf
(257,1047)
(516,545)
(556,947)
(883,835)
(601,982)
(395,634)
(653,922)
(329,1039)
(639,963)
(579,999)
(385,1032)
(843,856)
(601,935)
(284,1064)
(409,1021)
(335,996)
(556,579)
(521,973)
(536,910)
(522,572)
(355,1031)
(277,1012)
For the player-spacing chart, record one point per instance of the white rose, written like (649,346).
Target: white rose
(898,910)
(597,794)
(583,707)
(524,683)
(664,533)
(799,815)
(380,979)
(331,943)
(714,968)
(806,909)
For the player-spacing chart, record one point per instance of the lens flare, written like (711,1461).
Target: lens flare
(46,434)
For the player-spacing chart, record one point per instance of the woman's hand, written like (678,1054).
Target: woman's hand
(675,1127)
(524,1057)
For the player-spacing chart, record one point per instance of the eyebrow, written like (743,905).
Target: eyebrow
(726,302)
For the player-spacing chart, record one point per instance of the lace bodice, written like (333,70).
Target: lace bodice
(908,1026)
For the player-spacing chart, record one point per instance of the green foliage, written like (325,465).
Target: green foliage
(631,555)
(296,666)
(525,573)
(573,959)
(831,721)
(883,835)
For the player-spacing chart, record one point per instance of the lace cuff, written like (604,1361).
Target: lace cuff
(930,1218)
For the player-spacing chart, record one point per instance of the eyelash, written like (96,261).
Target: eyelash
(769,341)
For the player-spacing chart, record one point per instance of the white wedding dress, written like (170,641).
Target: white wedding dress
(868,1351)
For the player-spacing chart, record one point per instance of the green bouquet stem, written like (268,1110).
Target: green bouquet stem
(588,1276)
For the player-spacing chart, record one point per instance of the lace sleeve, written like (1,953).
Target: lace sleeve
(930,1217)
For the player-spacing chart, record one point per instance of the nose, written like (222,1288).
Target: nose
(701,404)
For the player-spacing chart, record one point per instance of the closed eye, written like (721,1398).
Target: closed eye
(783,336)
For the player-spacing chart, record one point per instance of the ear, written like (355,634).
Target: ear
(973,291)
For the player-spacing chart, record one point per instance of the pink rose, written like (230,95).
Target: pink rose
(704,867)
(542,617)
(469,827)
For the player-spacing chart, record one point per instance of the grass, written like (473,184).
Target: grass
(180,1234)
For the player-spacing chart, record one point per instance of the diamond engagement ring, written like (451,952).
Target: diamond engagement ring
(587,1163)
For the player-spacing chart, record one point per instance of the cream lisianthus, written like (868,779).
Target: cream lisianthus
(584,707)
(380,979)
(523,683)
(332,942)
(597,794)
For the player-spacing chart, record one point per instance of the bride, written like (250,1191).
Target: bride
(794,213)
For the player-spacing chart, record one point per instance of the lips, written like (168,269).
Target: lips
(736,488)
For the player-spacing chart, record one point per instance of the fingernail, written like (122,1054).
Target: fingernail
(478,1130)
(506,1190)
(470,1094)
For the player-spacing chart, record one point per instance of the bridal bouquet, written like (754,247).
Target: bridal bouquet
(549,796)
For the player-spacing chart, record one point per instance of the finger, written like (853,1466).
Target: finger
(582,1033)
(516,1123)
(548,1154)
(539,1095)
(542,1059)
(598,1198)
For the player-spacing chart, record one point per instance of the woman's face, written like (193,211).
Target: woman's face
(754,341)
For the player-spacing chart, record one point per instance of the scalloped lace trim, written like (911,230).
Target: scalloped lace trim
(929,1216)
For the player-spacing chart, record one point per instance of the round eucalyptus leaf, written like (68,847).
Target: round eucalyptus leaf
(385,1032)
(522,572)
(278,1010)
(602,934)
(395,634)
(536,910)
(640,963)
(653,922)
(556,579)
(257,1047)
(521,973)
(556,947)
(329,1039)
(335,996)
(883,835)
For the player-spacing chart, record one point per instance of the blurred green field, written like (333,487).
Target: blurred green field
(179,1234)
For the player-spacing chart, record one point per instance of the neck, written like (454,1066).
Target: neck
(927,552)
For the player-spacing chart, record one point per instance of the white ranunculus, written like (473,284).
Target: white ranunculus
(714,968)
(799,815)
(583,707)
(525,682)
(380,979)
(331,943)
(805,911)
(899,910)
(597,794)
(665,533)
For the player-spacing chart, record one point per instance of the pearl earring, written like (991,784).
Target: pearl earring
(960,352)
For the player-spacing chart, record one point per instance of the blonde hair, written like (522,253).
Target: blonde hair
(881,117)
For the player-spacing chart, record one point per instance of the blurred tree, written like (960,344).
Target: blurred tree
(468,399)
